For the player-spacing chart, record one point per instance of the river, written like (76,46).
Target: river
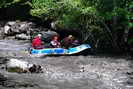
(66,72)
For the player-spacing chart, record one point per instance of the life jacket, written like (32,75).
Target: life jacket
(67,41)
(55,43)
(36,42)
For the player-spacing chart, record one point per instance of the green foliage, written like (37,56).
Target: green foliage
(130,14)
(44,9)
(63,11)
(130,41)
(7,3)
(4,3)
(87,15)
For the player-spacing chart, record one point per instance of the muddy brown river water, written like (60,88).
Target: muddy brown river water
(66,72)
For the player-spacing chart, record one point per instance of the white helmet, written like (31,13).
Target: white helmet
(39,35)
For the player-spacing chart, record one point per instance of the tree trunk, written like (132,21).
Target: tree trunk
(111,36)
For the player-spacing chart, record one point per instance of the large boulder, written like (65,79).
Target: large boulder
(7,28)
(25,30)
(15,65)
(18,63)
(13,28)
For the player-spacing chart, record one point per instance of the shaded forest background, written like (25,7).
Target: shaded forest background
(105,24)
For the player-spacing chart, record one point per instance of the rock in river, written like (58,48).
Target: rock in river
(22,37)
(15,65)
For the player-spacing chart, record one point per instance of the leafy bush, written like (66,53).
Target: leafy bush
(6,3)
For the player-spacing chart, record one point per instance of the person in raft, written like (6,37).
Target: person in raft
(67,41)
(55,43)
(37,42)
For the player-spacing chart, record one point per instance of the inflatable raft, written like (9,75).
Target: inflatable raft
(61,51)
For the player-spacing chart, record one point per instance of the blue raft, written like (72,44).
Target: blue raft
(61,51)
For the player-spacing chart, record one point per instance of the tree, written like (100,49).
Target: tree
(98,20)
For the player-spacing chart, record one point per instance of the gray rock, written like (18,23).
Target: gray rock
(11,23)
(24,31)
(12,28)
(22,37)
(15,65)
(6,29)
(15,28)
(53,25)
(12,63)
